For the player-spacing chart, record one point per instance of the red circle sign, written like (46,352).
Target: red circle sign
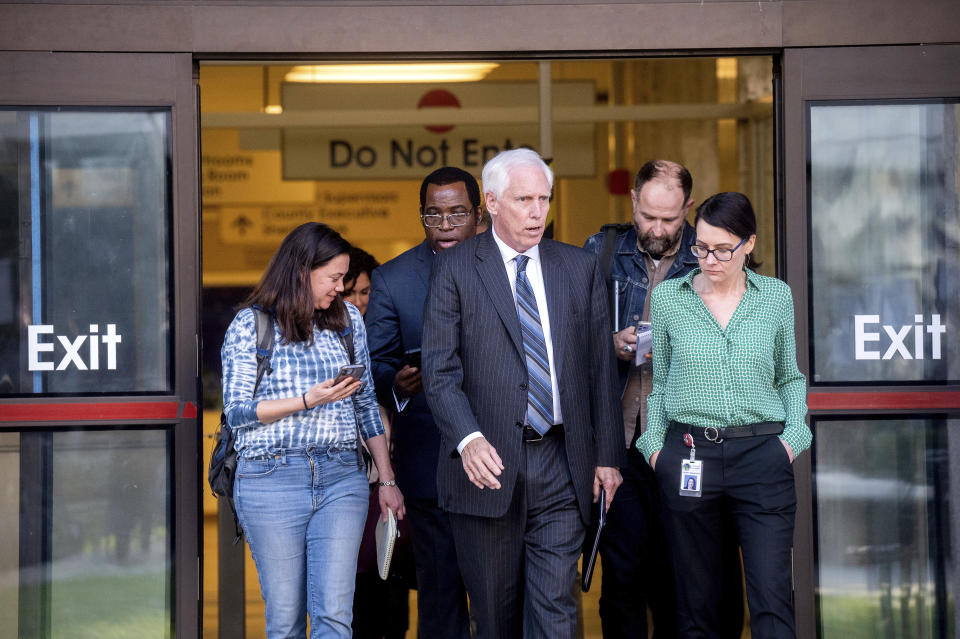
(438,98)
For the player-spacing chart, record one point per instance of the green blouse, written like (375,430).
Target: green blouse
(709,376)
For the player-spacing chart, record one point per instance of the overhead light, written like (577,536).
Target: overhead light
(273,109)
(396,73)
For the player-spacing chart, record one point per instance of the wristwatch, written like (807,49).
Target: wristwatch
(392,482)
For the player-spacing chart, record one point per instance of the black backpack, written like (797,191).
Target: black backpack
(223,461)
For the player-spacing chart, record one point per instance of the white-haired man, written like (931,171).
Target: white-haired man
(521,381)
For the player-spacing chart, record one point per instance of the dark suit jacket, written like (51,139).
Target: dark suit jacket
(394,323)
(475,371)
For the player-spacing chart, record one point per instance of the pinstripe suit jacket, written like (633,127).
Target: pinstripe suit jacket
(475,373)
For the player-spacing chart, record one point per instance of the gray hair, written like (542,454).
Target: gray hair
(496,172)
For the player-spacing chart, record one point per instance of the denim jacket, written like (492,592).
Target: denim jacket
(629,274)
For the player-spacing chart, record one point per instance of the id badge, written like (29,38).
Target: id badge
(691,477)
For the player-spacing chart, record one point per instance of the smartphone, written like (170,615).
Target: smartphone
(412,358)
(351,370)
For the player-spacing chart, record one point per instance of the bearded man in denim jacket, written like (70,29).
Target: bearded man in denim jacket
(633,548)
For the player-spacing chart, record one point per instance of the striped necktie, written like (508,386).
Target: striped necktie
(539,386)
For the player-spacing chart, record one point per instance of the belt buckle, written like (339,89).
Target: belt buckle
(712,434)
(533,440)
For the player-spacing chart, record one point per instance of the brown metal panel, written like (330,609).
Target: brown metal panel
(87,79)
(881,72)
(186,277)
(795,248)
(123,26)
(254,28)
(402,27)
(864,22)
(514,28)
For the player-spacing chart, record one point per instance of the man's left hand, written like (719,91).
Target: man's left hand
(608,477)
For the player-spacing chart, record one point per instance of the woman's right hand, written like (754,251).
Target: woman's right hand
(653,460)
(327,391)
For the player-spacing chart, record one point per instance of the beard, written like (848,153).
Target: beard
(657,246)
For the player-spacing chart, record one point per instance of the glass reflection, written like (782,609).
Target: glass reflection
(84,252)
(9,531)
(89,551)
(883,540)
(111,552)
(885,241)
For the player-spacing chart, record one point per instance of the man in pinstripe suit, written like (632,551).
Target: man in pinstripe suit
(521,382)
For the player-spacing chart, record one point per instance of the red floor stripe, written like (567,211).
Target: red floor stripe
(902,400)
(83,412)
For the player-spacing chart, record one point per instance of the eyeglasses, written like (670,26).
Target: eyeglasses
(454,219)
(722,254)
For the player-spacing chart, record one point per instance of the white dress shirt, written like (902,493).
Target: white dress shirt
(534,272)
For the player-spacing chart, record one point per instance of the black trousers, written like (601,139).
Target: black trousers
(441,596)
(751,480)
(520,569)
(636,565)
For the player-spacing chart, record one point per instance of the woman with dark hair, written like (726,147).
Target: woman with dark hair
(727,406)
(356,283)
(301,490)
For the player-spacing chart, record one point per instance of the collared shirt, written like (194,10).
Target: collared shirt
(710,376)
(296,368)
(534,272)
(640,378)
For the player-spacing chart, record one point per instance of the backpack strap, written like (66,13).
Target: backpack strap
(609,247)
(607,251)
(346,336)
(264,323)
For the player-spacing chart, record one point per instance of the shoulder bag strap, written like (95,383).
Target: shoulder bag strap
(346,339)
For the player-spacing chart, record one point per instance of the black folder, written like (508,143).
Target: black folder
(591,542)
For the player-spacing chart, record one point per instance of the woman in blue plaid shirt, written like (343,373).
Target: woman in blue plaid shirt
(301,492)
(728,405)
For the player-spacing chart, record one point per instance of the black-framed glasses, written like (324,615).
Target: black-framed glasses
(458,218)
(722,254)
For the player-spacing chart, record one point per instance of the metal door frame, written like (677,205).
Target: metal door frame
(45,79)
(849,73)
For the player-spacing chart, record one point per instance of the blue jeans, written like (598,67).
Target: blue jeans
(302,512)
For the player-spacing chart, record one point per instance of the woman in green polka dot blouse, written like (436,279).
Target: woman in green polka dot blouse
(728,405)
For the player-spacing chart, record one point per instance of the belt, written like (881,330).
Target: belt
(531,436)
(717,435)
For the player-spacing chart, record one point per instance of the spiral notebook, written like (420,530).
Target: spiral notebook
(386,534)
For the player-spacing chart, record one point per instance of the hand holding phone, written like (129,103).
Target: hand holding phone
(350,370)
(412,358)
(408,381)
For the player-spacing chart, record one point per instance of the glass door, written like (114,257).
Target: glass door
(872,168)
(98,347)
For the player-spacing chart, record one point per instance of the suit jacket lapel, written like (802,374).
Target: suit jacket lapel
(493,275)
(425,256)
(555,283)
